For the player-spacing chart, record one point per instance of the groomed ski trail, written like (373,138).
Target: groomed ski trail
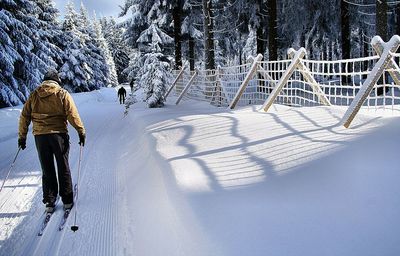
(119,199)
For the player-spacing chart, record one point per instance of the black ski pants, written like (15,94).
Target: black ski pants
(50,146)
(121,99)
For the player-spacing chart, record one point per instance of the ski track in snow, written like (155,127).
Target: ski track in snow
(98,223)
(197,180)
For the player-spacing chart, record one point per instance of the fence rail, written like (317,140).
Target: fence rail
(298,81)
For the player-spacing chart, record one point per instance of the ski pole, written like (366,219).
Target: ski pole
(75,227)
(12,165)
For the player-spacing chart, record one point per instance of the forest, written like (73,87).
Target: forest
(157,36)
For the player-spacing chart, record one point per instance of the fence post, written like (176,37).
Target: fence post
(379,45)
(385,58)
(310,79)
(246,81)
(217,96)
(284,78)
(187,86)
(175,81)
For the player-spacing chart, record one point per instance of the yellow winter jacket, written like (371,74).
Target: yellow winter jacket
(49,107)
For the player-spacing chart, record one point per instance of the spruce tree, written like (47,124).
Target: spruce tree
(74,73)
(49,32)
(24,50)
(118,47)
(156,70)
(105,51)
(100,72)
(156,75)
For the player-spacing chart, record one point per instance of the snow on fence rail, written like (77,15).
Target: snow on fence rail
(298,81)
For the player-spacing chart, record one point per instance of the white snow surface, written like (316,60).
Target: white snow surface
(193,179)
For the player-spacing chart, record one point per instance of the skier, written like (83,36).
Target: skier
(121,95)
(49,108)
(131,84)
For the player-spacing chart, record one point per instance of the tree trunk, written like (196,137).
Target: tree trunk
(272,30)
(345,21)
(208,35)
(191,53)
(260,30)
(398,19)
(381,19)
(303,38)
(345,39)
(365,54)
(177,16)
(240,49)
(381,30)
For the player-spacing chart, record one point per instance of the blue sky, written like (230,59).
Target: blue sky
(102,7)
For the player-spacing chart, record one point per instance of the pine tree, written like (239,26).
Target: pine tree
(132,72)
(117,45)
(85,66)
(9,86)
(49,32)
(105,50)
(100,72)
(155,73)
(145,13)
(25,49)
(74,73)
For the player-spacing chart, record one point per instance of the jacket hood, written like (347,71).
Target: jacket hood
(47,88)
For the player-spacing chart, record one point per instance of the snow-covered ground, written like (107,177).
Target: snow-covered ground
(193,179)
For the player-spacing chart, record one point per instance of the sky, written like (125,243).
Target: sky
(102,7)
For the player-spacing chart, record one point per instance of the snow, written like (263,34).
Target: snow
(192,179)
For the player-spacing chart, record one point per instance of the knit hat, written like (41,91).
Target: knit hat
(52,74)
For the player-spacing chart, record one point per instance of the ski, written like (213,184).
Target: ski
(45,222)
(67,212)
(64,219)
(46,219)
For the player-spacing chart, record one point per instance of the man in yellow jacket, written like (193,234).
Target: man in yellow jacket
(49,108)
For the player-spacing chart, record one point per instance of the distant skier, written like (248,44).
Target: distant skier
(49,108)
(131,84)
(122,95)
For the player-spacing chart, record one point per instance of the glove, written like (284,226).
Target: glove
(22,143)
(82,138)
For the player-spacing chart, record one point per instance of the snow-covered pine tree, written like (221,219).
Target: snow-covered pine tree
(113,34)
(250,46)
(136,23)
(10,56)
(145,13)
(132,72)
(156,76)
(105,50)
(25,53)
(95,59)
(156,70)
(74,73)
(147,18)
(49,31)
